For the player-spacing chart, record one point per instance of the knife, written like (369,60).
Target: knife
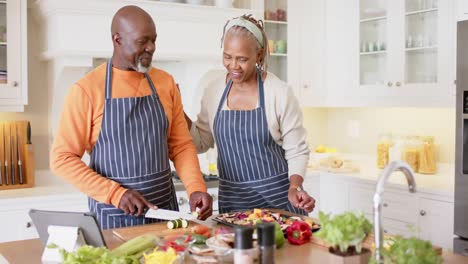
(172,215)
(18,155)
(7,180)
(13,180)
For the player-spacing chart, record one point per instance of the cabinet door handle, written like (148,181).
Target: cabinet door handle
(385,231)
(389,84)
(422,213)
(14,83)
(398,84)
(29,224)
(306,86)
(385,205)
(181,201)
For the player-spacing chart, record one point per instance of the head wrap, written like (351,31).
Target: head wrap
(241,22)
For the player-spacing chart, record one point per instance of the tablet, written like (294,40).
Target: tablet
(85,221)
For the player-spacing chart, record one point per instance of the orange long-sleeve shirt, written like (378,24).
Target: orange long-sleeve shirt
(80,124)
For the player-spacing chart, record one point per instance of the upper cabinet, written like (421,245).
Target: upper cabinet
(387,53)
(403,52)
(13,55)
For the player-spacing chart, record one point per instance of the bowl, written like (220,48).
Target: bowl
(195,2)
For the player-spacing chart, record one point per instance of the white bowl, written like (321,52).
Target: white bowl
(195,2)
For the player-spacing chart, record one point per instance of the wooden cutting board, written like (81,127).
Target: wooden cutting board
(158,229)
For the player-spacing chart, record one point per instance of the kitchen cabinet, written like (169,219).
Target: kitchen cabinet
(16,223)
(312,187)
(13,55)
(333,196)
(424,215)
(390,53)
(462,10)
(436,221)
(306,57)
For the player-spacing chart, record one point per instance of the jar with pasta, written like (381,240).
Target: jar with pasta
(383,146)
(410,153)
(427,156)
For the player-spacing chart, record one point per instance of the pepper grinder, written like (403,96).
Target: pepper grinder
(266,242)
(243,245)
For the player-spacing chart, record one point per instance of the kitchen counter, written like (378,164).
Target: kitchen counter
(308,253)
(442,183)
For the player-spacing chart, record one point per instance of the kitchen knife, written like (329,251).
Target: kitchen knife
(13,180)
(172,215)
(18,155)
(7,179)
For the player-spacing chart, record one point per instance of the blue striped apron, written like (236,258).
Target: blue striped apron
(253,170)
(132,150)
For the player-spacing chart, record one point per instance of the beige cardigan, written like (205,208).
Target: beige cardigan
(283,114)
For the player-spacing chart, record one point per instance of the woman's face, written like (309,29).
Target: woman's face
(240,55)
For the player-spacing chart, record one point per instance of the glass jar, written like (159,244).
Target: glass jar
(395,150)
(410,154)
(427,157)
(383,145)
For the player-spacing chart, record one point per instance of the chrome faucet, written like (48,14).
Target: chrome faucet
(386,172)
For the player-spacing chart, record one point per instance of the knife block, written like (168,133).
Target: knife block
(13,139)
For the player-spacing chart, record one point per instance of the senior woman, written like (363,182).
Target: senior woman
(256,123)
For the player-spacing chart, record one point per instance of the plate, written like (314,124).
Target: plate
(239,219)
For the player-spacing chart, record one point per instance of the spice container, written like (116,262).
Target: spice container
(243,245)
(410,154)
(383,146)
(266,242)
(427,159)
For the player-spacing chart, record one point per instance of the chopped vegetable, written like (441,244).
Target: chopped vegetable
(161,257)
(200,229)
(95,255)
(299,233)
(279,236)
(177,223)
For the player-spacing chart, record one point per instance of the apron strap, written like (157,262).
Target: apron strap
(261,95)
(108,87)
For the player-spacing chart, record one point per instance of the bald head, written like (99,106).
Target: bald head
(128,17)
(134,37)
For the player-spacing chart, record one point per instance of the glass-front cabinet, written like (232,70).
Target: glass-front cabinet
(13,67)
(404,47)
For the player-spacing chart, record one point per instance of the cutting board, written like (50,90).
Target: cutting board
(158,229)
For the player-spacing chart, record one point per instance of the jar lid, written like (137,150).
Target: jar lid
(243,237)
(266,234)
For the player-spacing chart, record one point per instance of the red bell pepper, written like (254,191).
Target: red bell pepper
(299,233)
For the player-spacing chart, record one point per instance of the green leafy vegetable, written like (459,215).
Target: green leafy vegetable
(344,230)
(95,255)
(409,251)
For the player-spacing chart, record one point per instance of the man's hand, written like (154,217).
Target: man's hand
(204,201)
(302,200)
(134,203)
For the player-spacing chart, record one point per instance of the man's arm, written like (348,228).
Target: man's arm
(72,136)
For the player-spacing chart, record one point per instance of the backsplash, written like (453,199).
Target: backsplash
(356,130)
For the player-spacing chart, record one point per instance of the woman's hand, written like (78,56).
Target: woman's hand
(301,200)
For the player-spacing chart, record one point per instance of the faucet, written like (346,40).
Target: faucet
(386,172)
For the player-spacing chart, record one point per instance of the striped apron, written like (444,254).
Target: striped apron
(253,170)
(132,150)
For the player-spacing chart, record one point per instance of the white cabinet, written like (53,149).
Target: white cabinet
(462,9)
(13,55)
(312,187)
(333,196)
(389,53)
(16,223)
(306,55)
(436,221)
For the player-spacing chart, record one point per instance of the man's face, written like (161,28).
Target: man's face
(137,45)
(240,56)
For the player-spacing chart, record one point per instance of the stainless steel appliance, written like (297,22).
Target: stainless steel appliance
(460,243)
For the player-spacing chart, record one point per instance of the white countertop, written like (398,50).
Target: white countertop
(443,182)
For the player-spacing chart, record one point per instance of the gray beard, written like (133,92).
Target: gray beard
(142,69)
